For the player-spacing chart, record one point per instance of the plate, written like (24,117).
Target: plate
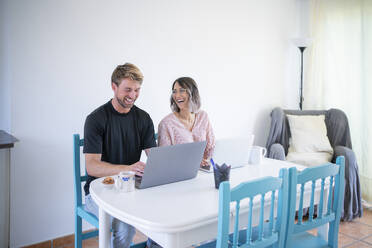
(108,185)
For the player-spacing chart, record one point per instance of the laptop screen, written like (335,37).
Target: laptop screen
(233,151)
(168,164)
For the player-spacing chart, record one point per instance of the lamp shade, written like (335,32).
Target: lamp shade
(302,42)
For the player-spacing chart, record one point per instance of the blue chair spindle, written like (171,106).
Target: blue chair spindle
(320,206)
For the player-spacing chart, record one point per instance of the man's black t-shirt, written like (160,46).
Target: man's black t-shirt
(120,138)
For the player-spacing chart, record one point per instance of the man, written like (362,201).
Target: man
(114,136)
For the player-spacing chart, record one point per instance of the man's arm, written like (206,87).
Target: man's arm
(97,168)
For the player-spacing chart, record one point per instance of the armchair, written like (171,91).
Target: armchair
(338,133)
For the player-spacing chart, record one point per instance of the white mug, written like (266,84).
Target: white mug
(124,182)
(257,154)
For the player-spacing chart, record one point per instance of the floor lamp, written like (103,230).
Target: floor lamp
(302,44)
(302,49)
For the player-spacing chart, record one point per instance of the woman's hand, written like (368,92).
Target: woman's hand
(204,163)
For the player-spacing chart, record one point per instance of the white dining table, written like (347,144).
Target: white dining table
(181,214)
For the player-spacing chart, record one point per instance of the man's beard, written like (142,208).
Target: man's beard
(123,104)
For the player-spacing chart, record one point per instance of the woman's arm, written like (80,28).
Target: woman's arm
(210,141)
(164,138)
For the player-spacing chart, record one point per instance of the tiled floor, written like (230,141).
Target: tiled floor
(357,233)
(93,242)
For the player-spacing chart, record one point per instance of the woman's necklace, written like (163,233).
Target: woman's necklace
(187,122)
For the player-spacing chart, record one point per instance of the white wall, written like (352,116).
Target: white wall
(4,69)
(60,56)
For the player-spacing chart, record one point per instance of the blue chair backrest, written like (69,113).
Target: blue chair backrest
(278,188)
(329,176)
(78,178)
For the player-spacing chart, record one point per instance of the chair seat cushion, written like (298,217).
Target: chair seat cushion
(309,158)
(306,240)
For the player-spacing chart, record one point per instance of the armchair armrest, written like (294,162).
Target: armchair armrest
(350,159)
(276,151)
(353,199)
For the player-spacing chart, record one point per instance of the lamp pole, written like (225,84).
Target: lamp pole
(302,49)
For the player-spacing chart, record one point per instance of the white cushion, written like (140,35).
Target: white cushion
(308,138)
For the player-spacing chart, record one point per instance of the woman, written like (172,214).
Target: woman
(187,123)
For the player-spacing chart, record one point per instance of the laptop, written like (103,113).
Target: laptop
(169,164)
(231,151)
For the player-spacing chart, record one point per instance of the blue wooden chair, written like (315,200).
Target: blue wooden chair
(328,174)
(266,234)
(80,212)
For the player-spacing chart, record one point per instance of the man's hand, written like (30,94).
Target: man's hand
(138,168)
(97,168)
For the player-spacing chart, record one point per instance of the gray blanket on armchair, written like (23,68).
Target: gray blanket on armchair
(338,133)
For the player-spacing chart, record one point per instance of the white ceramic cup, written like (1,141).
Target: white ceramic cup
(124,182)
(257,154)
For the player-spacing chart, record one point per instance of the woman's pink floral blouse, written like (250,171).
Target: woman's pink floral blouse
(171,131)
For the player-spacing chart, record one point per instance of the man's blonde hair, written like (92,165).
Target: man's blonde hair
(127,70)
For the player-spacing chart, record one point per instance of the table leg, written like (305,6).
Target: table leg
(104,229)
(4,197)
